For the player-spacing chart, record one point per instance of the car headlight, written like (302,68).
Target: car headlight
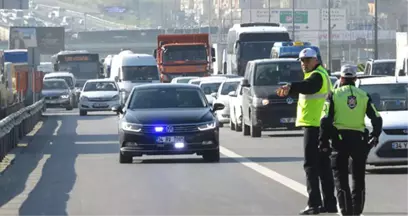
(257,102)
(64,96)
(207,126)
(83,98)
(131,127)
(116,97)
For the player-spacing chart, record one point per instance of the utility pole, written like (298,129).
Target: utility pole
(293,20)
(209,15)
(269,10)
(375,29)
(329,35)
(250,11)
(232,20)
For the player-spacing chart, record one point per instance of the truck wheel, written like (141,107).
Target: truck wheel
(245,129)
(82,112)
(256,131)
(232,125)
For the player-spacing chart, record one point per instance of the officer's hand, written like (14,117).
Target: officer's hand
(373,141)
(283,91)
(324,147)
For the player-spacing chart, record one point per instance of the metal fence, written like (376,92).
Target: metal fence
(5,111)
(16,125)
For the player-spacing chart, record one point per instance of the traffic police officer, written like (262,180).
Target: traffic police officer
(343,123)
(312,92)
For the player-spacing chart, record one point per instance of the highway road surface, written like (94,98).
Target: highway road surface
(70,167)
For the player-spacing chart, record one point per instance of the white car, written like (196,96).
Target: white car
(199,80)
(222,96)
(235,105)
(390,97)
(184,79)
(98,95)
(209,87)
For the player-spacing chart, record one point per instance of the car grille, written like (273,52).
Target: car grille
(282,101)
(386,151)
(176,128)
(396,131)
(52,97)
(99,99)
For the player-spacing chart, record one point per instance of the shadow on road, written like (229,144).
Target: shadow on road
(286,135)
(388,171)
(51,194)
(196,159)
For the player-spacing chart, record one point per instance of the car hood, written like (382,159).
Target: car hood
(268,92)
(95,94)
(128,85)
(54,92)
(169,116)
(392,119)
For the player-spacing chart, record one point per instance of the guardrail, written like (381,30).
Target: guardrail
(8,110)
(17,125)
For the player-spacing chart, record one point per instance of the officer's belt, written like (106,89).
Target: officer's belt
(317,96)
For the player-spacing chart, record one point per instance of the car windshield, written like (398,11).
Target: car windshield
(228,87)
(209,88)
(67,79)
(100,86)
(388,97)
(184,80)
(80,84)
(274,73)
(140,73)
(384,68)
(160,98)
(54,85)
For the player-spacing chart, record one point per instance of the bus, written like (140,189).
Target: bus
(292,50)
(82,64)
(250,41)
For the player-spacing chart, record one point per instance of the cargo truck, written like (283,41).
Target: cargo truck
(184,55)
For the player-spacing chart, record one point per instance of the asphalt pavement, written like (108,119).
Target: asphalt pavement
(70,167)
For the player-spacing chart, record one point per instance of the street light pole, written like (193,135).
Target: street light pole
(293,20)
(209,16)
(329,35)
(269,10)
(375,29)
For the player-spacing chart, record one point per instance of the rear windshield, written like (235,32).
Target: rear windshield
(274,73)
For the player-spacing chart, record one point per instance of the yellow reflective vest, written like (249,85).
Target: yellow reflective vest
(310,106)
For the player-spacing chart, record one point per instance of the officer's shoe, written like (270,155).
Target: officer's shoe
(310,211)
(328,210)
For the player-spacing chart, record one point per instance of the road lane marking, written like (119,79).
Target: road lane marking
(13,206)
(285,181)
(36,128)
(59,123)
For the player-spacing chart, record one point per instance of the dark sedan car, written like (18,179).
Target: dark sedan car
(168,119)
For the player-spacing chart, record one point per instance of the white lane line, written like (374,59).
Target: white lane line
(96,142)
(285,181)
(12,207)
(59,123)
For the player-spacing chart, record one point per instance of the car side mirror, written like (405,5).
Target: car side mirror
(218,106)
(214,95)
(116,79)
(245,83)
(232,94)
(155,53)
(213,59)
(117,109)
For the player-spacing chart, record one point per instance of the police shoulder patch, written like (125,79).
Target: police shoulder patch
(351,102)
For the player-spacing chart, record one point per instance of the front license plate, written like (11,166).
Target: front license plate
(287,120)
(170,139)
(400,145)
(100,105)
(51,102)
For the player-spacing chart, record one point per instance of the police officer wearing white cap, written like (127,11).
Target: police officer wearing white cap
(313,91)
(343,122)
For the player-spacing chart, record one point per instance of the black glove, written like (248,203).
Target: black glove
(373,141)
(324,147)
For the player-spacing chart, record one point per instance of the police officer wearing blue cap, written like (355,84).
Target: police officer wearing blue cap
(313,91)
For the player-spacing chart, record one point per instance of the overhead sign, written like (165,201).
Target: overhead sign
(305,19)
(14,4)
(338,19)
(115,9)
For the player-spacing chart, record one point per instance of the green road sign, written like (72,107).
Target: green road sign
(301,17)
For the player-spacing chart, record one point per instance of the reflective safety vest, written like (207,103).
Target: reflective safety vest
(310,106)
(350,105)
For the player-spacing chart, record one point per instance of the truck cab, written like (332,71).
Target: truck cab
(184,55)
